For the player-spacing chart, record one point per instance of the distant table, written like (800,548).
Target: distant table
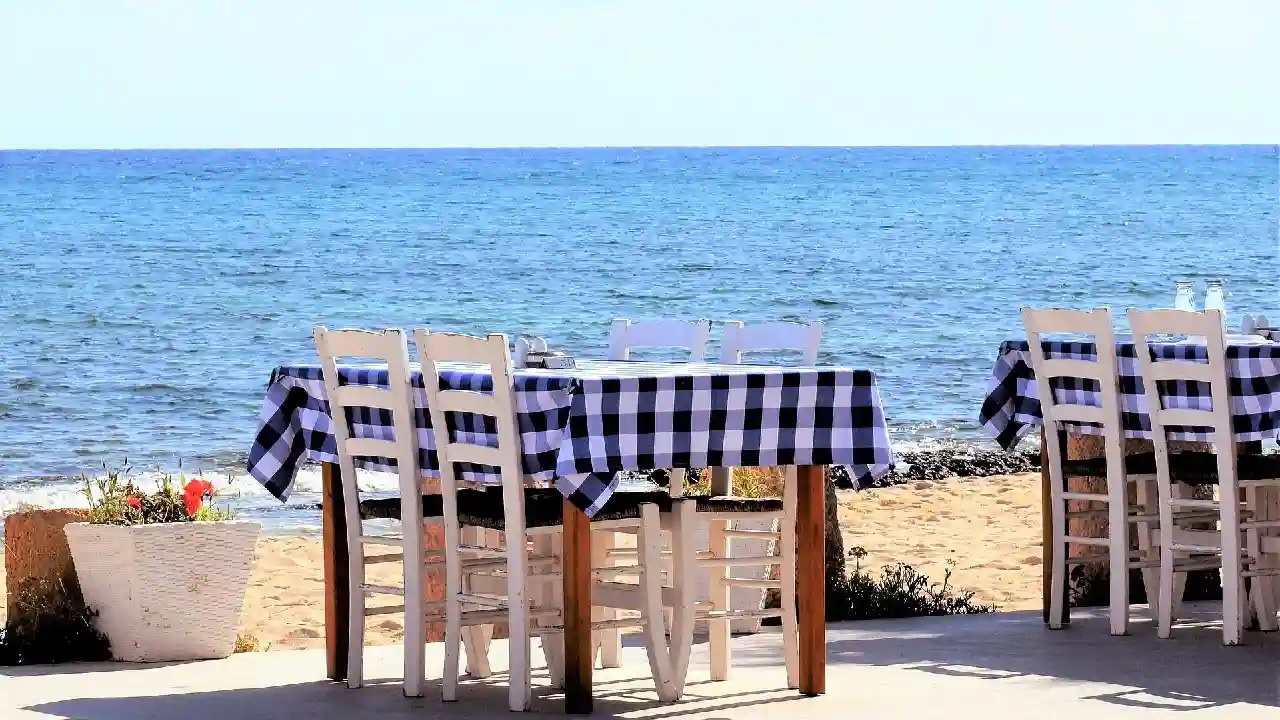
(578,428)
(1012,407)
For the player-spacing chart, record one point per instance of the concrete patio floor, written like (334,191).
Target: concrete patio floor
(991,667)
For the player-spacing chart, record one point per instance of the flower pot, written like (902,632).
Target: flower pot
(168,591)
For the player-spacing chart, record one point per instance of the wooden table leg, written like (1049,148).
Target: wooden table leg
(337,584)
(576,576)
(811,577)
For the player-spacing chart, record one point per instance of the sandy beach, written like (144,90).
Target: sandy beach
(990,527)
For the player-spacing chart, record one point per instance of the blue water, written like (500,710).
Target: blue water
(147,295)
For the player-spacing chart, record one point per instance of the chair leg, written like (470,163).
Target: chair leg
(719,630)
(415,621)
(649,543)
(1232,619)
(608,641)
(355,611)
(473,636)
(1061,550)
(548,597)
(1118,530)
(520,680)
(787,574)
(1262,601)
(1149,546)
(683,581)
(452,628)
(1178,490)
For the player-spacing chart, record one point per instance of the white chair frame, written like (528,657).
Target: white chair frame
(512,602)
(626,336)
(738,338)
(1237,559)
(389,347)
(1097,323)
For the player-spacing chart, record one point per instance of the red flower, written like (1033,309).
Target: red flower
(194,493)
(133,502)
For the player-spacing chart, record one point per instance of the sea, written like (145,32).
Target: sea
(147,295)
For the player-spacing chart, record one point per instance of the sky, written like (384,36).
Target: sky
(477,73)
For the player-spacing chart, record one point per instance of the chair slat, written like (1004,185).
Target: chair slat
(626,336)
(371,447)
(470,453)
(738,338)
(1078,413)
(1184,417)
(365,396)
(468,402)
(1072,368)
(1181,370)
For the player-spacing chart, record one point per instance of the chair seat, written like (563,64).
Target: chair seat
(389,508)
(732,504)
(1190,468)
(544,507)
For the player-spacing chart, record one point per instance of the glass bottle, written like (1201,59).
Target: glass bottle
(1184,299)
(1215,296)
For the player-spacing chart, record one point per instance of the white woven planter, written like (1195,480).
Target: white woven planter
(169,591)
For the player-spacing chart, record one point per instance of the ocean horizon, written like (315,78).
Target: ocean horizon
(149,294)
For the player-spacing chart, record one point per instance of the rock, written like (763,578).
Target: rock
(36,553)
(947,460)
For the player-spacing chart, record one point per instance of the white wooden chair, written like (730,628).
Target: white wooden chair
(692,336)
(526,514)
(388,347)
(625,336)
(738,338)
(1054,411)
(1254,557)
(721,511)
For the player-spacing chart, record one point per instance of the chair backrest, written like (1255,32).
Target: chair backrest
(1102,371)
(1158,374)
(494,353)
(738,338)
(387,346)
(626,336)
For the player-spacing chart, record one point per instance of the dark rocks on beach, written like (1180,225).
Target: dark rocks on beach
(945,460)
(951,460)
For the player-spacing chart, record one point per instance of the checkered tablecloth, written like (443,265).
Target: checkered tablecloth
(1012,408)
(580,427)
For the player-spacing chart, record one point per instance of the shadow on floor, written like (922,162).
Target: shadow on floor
(1191,670)
(477,700)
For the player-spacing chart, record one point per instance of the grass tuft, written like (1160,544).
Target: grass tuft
(900,591)
(50,626)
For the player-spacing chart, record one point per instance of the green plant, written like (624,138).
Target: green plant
(749,482)
(51,625)
(114,500)
(900,591)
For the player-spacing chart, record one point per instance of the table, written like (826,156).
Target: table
(578,428)
(1011,409)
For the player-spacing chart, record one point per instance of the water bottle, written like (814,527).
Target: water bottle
(1215,298)
(1184,299)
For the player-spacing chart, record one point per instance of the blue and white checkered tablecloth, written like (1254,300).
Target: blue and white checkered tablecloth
(579,427)
(1012,408)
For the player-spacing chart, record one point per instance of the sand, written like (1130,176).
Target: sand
(990,528)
